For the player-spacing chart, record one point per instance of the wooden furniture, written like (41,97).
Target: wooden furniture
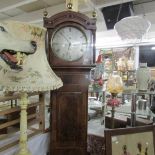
(123,121)
(3,119)
(96,144)
(120,121)
(11,120)
(31,110)
(140,121)
(68,134)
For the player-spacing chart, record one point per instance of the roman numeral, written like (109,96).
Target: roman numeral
(70,29)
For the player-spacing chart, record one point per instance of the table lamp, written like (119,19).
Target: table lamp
(114,86)
(24,67)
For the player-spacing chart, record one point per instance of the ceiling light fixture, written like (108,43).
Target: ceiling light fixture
(132,28)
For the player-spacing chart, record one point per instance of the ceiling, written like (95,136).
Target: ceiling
(32,10)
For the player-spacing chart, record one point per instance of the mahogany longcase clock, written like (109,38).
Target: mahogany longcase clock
(71,53)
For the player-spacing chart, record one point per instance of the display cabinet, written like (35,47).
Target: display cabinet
(139,105)
(137,109)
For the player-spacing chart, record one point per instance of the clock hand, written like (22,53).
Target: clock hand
(69,46)
(65,38)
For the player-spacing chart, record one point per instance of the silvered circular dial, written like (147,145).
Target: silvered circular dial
(69,43)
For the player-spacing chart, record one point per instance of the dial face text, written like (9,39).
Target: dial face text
(69,43)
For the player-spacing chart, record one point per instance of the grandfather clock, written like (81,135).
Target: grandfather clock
(70,49)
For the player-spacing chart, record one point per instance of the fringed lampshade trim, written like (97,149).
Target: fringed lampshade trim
(33,88)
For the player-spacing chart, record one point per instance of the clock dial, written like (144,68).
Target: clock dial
(69,43)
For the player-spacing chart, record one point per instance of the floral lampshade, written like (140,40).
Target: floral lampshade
(114,83)
(23,64)
(132,28)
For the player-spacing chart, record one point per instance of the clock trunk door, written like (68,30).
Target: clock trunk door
(69,116)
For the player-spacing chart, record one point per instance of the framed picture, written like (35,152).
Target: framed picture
(130,141)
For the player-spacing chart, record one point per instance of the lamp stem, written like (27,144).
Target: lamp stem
(113,117)
(23,150)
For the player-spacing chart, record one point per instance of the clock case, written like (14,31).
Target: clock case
(77,20)
(69,104)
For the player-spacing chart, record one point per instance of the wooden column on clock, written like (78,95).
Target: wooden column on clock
(70,49)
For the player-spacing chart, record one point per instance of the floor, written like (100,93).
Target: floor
(96,126)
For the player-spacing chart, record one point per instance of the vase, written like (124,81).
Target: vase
(142,104)
(143,77)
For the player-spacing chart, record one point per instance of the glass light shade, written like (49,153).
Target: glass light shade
(23,64)
(114,83)
(132,28)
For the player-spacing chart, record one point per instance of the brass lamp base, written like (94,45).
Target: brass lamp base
(23,152)
(23,149)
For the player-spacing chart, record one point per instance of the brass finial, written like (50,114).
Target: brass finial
(94,14)
(70,6)
(45,13)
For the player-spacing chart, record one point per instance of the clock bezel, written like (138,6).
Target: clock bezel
(81,61)
(63,27)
